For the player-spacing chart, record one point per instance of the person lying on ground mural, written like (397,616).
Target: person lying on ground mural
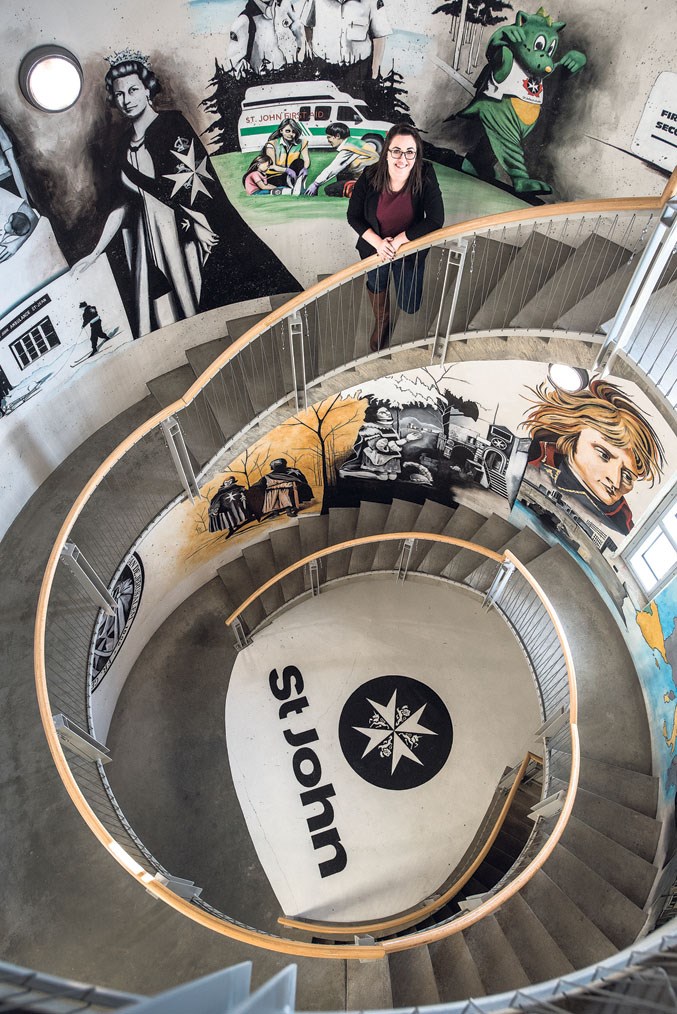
(186,247)
(509,95)
(352,157)
(90,315)
(264,36)
(255,180)
(377,452)
(228,508)
(594,446)
(393,202)
(281,490)
(288,152)
(16,230)
(347,31)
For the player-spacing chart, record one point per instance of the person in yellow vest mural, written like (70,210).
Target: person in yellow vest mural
(289,156)
(351,158)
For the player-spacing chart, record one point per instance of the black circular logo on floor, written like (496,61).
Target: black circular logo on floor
(395,732)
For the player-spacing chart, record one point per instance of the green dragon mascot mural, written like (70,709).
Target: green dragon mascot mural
(509,95)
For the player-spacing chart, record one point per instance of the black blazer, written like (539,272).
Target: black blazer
(428,209)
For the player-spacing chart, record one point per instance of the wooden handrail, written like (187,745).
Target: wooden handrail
(670,187)
(287,946)
(364,540)
(433,906)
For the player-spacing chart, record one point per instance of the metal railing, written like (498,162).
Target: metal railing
(493,572)
(273,368)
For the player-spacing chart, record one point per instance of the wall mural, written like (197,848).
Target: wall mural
(653,640)
(111,631)
(313,75)
(582,465)
(588,452)
(185,248)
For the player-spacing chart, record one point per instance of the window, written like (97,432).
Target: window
(655,558)
(323,113)
(304,114)
(347,114)
(35,343)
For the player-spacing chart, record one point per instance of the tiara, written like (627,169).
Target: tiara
(128,56)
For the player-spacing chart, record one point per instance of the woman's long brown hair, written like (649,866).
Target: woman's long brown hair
(380,173)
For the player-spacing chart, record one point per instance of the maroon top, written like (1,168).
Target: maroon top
(395,212)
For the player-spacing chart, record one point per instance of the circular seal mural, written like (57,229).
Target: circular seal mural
(112,630)
(395,732)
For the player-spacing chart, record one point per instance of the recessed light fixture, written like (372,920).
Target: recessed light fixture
(571,379)
(50,78)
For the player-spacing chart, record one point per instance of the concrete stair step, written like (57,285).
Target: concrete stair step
(433,517)
(499,967)
(632,789)
(612,716)
(412,978)
(409,327)
(200,429)
(401,518)
(540,956)
(410,359)
(261,563)
(634,831)
(265,366)
(280,298)
(339,324)
(226,393)
(615,915)
(493,534)
(602,303)
(371,521)
(594,260)
(486,261)
(579,939)
(649,346)
(239,584)
(368,985)
(286,546)
(535,262)
(240,325)
(342,526)
(627,872)
(200,357)
(462,525)
(314,535)
(455,970)
(526,546)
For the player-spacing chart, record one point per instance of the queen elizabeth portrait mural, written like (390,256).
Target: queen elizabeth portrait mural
(184,247)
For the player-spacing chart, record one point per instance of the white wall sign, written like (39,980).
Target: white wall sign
(656,135)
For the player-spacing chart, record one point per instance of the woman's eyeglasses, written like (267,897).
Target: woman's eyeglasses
(409,154)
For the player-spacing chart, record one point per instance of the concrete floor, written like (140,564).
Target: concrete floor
(67,907)
(402,840)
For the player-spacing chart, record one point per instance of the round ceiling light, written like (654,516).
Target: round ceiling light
(50,78)
(571,379)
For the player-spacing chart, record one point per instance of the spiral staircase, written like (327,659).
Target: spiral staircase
(514,289)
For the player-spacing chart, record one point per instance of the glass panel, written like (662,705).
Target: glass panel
(660,556)
(669,522)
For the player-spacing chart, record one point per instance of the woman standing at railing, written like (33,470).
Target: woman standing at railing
(394,202)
